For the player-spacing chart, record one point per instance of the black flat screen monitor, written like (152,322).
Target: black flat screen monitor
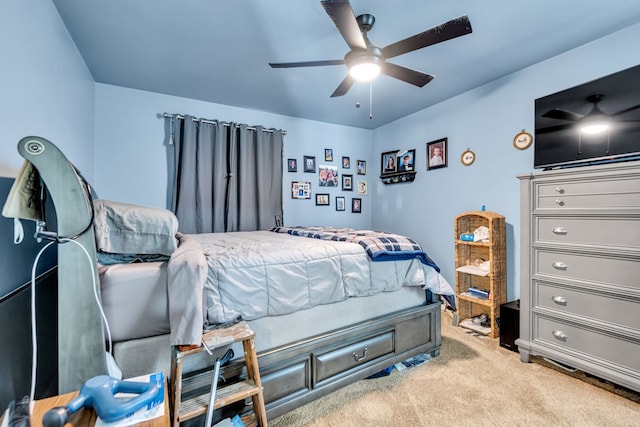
(561,118)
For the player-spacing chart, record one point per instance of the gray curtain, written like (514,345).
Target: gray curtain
(227,176)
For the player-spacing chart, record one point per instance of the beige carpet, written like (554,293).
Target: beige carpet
(474,382)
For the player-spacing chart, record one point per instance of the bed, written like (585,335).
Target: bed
(325,312)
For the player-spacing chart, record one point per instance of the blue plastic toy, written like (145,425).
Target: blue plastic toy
(99,393)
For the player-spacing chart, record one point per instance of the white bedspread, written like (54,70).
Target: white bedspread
(261,273)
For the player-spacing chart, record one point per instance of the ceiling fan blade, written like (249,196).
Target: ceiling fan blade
(557,128)
(307,64)
(558,113)
(443,32)
(344,87)
(408,75)
(344,19)
(626,110)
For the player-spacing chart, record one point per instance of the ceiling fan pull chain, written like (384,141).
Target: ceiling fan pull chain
(357,95)
(371,100)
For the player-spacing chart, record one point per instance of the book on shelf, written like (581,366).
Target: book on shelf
(483,293)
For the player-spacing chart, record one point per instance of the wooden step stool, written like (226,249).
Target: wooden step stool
(225,395)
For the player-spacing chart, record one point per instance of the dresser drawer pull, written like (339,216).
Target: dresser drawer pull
(559,202)
(560,230)
(558,265)
(364,355)
(559,190)
(559,300)
(560,335)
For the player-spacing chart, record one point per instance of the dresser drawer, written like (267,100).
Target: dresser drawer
(601,193)
(334,362)
(621,311)
(587,267)
(619,232)
(598,345)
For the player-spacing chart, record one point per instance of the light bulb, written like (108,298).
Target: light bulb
(594,128)
(365,71)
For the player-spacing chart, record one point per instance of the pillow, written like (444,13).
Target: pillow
(131,229)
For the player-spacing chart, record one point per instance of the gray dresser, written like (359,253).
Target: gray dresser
(580,269)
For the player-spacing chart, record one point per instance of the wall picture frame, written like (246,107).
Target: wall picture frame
(300,190)
(322,199)
(362,188)
(292,165)
(406,160)
(437,154)
(328,155)
(356,205)
(362,167)
(346,162)
(388,163)
(340,202)
(347,182)
(310,164)
(328,176)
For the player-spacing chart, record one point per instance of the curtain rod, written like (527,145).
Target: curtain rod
(181,117)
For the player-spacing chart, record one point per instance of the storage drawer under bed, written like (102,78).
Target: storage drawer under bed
(355,354)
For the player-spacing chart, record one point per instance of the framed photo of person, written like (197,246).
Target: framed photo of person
(339,203)
(356,205)
(362,167)
(405,160)
(346,162)
(322,199)
(310,164)
(388,162)
(300,190)
(328,176)
(292,165)
(362,188)
(347,182)
(328,155)
(437,154)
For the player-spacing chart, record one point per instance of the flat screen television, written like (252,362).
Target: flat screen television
(563,121)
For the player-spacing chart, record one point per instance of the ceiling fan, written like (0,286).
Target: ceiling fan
(370,60)
(594,122)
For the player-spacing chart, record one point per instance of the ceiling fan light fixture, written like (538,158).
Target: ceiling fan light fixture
(594,128)
(365,71)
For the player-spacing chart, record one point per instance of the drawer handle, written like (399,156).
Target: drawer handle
(559,202)
(560,230)
(560,335)
(364,355)
(559,190)
(558,265)
(559,300)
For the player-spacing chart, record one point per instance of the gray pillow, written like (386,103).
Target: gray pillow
(130,229)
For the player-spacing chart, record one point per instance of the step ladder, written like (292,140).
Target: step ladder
(192,407)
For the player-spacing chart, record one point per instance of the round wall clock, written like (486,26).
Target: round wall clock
(468,157)
(522,140)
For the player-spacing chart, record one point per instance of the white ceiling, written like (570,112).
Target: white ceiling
(218,51)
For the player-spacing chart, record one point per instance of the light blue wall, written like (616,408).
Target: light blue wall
(45,87)
(484,119)
(131,151)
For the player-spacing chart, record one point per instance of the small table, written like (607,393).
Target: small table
(88,417)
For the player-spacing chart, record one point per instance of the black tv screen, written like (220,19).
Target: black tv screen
(563,118)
